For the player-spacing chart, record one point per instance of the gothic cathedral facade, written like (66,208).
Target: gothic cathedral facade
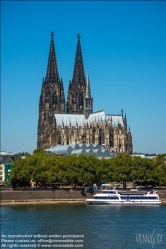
(74,121)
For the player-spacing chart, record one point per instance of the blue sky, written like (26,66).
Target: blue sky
(123,45)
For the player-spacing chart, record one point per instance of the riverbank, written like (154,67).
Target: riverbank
(44,196)
(11,197)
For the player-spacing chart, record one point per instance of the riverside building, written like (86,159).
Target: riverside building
(73,121)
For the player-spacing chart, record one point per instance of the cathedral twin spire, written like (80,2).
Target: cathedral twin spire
(78,89)
(78,74)
(52,96)
(52,68)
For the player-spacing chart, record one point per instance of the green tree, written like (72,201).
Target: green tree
(123,168)
(146,171)
(43,167)
(20,174)
(162,176)
(160,159)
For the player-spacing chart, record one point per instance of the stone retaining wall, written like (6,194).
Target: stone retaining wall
(44,195)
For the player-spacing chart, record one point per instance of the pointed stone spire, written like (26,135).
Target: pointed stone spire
(129,142)
(129,128)
(88,93)
(52,68)
(77,86)
(125,122)
(88,101)
(78,74)
(52,100)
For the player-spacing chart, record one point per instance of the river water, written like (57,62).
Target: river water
(94,227)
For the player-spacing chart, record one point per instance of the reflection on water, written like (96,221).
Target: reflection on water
(104,227)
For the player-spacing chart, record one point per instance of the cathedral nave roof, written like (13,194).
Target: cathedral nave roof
(80,120)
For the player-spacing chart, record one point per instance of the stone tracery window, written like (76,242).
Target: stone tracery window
(81,99)
(54,99)
(93,135)
(59,139)
(76,100)
(100,137)
(73,99)
(67,139)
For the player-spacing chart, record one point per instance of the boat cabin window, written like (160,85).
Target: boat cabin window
(109,192)
(105,186)
(107,198)
(138,197)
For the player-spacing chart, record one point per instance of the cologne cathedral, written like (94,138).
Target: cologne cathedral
(73,121)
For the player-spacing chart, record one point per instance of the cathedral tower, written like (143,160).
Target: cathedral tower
(52,100)
(77,86)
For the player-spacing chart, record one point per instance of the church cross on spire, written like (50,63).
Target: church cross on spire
(52,35)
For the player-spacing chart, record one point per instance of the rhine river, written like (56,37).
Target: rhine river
(83,226)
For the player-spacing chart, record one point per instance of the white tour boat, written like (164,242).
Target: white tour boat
(111,196)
